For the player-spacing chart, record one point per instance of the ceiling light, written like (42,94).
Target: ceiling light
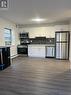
(38,19)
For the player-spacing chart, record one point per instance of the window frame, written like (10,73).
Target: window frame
(9,37)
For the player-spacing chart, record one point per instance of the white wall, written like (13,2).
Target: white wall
(6,24)
(48,31)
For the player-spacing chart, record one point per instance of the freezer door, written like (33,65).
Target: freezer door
(62,50)
(61,37)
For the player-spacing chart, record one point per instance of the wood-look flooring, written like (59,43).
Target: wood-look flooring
(36,76)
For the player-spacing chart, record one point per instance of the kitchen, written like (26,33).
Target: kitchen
(42,43)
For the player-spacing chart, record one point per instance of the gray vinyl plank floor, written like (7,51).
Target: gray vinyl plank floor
(36,76)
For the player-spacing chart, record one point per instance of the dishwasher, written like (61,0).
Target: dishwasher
(50,51)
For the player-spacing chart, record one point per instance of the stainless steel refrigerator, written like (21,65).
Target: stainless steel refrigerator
(62,45)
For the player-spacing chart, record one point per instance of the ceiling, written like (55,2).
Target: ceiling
(21,11)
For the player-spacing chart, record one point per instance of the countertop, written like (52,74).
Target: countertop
(4,46)
(41,44)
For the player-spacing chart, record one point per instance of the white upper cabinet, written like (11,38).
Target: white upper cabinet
(48,31)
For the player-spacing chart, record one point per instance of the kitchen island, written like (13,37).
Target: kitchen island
(40,50)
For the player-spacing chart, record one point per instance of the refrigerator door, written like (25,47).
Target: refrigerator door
(58,50)
(61,37)
(57,37)
(62,50)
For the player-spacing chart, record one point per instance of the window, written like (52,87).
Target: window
(7,36)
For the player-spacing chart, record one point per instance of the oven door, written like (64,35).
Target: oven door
(22,50)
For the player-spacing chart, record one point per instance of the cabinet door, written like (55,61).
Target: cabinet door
(6,56)
(41,52)
(30,51)
(50,51)
(36,51)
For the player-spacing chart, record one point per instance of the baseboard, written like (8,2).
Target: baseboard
(14,56)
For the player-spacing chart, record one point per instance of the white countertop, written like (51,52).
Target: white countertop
(41,45)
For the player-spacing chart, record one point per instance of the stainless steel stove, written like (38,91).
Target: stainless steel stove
(22,49)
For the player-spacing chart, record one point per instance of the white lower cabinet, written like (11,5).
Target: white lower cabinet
(36,51)
(41,51)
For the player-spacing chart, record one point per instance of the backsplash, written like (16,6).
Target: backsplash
(42,40)
(24,39)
